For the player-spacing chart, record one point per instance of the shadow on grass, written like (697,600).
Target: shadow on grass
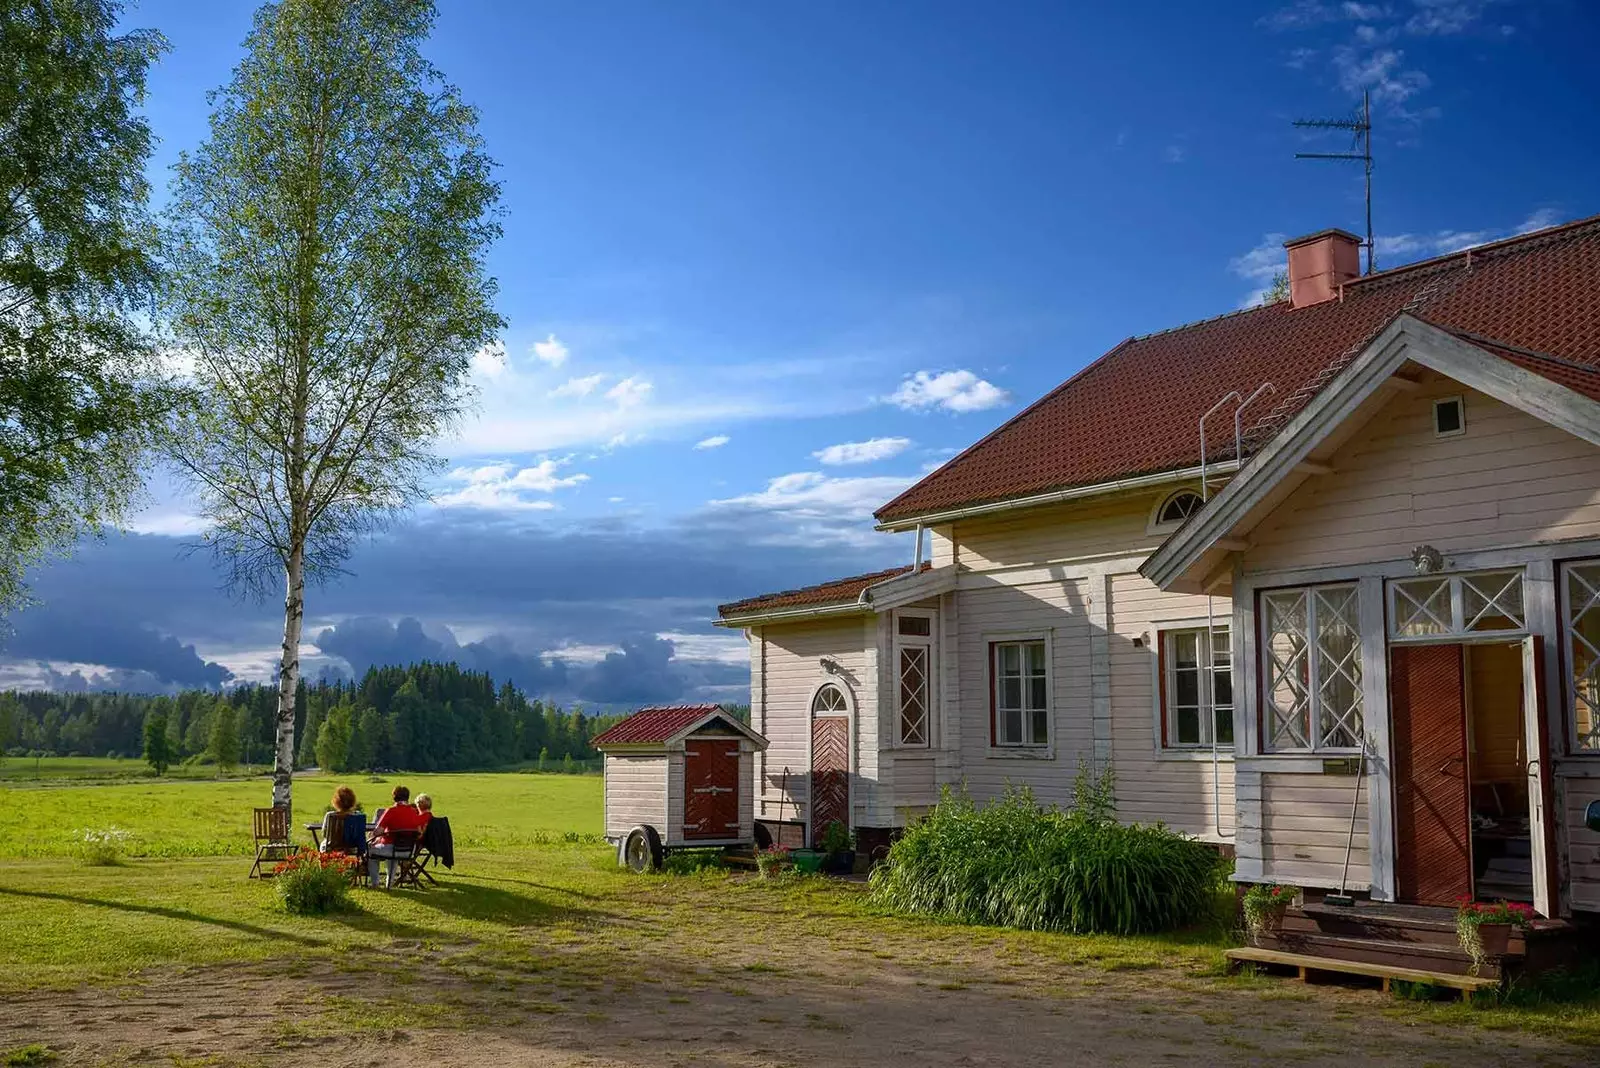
(166,913)
(567,890)
(493,904)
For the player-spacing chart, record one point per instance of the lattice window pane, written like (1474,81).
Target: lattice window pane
(914,695)
(1338,668)
(1288,666)
(1492,601)
(1422,607)
(1583,652)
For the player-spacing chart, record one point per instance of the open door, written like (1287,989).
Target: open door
(1541,785)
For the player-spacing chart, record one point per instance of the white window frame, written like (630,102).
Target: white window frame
(1166,687)
(1314,670)
(1156,526)
(1029,748)
(1489,584)
(1461,409)
(1583,745)
(929,682)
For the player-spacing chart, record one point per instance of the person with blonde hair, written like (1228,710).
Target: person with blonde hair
(425,806)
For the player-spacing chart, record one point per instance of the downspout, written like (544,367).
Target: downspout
(916,558)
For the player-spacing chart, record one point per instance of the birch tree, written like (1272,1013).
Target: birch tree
(328,246)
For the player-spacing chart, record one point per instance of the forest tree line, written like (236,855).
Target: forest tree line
(425,717)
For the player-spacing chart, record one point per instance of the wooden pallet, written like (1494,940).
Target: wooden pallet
(1467,984)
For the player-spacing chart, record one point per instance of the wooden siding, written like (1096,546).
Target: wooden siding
(1071,531)
(1305,820)
(1581,786)
(635,793)
(1152,785)
(790,656)
(1511,479)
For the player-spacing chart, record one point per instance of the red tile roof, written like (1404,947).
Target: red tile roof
(655,724)
(839,591)
(1136,410)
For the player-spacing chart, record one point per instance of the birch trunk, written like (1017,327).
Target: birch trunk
(289,680)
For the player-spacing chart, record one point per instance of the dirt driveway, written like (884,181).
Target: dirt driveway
(661,995)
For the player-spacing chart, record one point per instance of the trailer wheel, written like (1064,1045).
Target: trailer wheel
(641,849)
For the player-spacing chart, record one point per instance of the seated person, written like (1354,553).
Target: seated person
(425,806)
(401,816)
(344,804)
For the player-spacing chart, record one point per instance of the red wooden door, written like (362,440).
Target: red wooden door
(830,773)
(711,789)
(1433,825)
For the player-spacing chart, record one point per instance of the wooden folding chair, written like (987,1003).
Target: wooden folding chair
(338,841)
(407,846)
(426,858)
(273,843)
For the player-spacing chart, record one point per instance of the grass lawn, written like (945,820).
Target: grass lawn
(537,941)
(96,769)
(195,818)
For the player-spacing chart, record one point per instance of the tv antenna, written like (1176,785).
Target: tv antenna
(1360,124)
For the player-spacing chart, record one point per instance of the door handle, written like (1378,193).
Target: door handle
(1446,769)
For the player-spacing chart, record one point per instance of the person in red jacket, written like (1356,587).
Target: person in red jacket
(401,816)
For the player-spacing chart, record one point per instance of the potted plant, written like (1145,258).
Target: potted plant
(838,849)
(771,860)
(1484,927)
(1264,906)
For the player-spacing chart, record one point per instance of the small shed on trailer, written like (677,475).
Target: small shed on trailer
(678,777)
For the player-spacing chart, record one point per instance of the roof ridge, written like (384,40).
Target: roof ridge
(1516,243)
(888,572)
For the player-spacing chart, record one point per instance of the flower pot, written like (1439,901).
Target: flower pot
(840,863)
(1495,938)
(807,861)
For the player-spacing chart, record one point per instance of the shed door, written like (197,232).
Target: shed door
(1433,845)
(711,789)
(830,774)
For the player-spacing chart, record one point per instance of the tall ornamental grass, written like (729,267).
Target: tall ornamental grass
(1015,863)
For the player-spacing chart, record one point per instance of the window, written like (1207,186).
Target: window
(914,669)
(1175,509)
(829,702)
(1020,694)
(1482,602)
(1311,650)
(1580,617)
(1196,688)
(1449,417)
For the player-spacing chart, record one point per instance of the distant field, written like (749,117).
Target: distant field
(45,769)
(193,818)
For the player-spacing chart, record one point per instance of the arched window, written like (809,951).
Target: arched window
(1176,508)
(829,702)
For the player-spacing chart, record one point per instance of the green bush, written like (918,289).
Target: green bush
(310,884)
(103,849)
(1015,863)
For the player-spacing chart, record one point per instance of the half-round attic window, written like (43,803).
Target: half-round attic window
(1178,507)
(829,702)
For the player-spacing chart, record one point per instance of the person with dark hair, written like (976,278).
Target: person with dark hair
(402,816)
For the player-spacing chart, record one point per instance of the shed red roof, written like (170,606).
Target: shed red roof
(838,591)
(1136,410)
(654,724)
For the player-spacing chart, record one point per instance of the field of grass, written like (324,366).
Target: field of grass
(188,818)
(528,910)
(102,769)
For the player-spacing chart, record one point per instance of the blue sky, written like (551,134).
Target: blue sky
(766,264)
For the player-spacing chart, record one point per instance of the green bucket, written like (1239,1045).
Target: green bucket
(808,861)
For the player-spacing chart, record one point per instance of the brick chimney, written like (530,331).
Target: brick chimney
(1319,263)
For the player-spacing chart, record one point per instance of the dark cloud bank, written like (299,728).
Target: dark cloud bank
(151,612)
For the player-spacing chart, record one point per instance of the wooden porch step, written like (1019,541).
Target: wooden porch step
(1425,956)
(1306,963)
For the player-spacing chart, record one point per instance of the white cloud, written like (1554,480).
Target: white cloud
(716,648)
(1379,70)
(862,452)
(490,361)
(1175,154)
(811,508)
(955,391)
(578,653)
(1260,266)
(1439,18)
(630,392)
(551,351)
(505,487)
(715,441)
(578,387)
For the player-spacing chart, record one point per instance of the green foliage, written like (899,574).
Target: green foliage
(223,744)
(103,849)
(80,394)
(157,743)
(836,838)
(1278,291)
(23,1056)
(1265,902)
(1094,795)
(333,740)
(1014,863)
(311,883)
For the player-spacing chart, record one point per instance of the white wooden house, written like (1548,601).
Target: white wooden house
(1409,557)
